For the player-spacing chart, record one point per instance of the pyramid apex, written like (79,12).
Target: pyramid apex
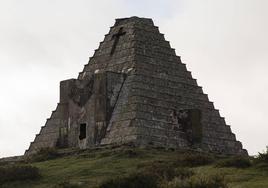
(121,21)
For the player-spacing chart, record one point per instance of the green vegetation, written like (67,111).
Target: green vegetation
(192,159)
(43,155)
(199,181)
(131,181)
(9,173)
(135,167)
(262,158)
(236,162)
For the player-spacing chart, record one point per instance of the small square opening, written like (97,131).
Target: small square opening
(83,131)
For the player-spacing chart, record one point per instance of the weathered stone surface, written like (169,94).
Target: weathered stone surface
(135,89)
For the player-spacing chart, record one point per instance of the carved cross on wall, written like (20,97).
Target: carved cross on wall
(116,37)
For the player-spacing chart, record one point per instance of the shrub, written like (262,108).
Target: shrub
(262,157)
(194,159)
(44,154)
(132,181)
(18,173)
(237,162)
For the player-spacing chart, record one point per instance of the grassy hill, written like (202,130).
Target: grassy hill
(135,167)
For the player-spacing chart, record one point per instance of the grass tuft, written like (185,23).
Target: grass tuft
(199,181)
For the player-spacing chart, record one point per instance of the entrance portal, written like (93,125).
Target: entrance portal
(83,131)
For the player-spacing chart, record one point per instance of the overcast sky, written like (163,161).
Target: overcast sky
(223,42)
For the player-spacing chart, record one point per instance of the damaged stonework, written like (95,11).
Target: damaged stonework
(89,121)
(189,122)
(135,89)
(89,106)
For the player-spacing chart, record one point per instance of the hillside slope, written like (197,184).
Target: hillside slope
(92,168)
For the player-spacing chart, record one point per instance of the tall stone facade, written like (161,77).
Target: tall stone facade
(136,90)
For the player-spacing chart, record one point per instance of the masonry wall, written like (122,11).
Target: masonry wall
(132,91)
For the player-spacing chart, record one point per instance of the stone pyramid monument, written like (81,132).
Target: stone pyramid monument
(135,90)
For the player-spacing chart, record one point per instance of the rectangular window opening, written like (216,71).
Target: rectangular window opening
(83,131)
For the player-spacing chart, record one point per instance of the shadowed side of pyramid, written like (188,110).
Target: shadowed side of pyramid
(135,90)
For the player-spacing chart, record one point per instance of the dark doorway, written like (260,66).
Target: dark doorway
(83,131)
